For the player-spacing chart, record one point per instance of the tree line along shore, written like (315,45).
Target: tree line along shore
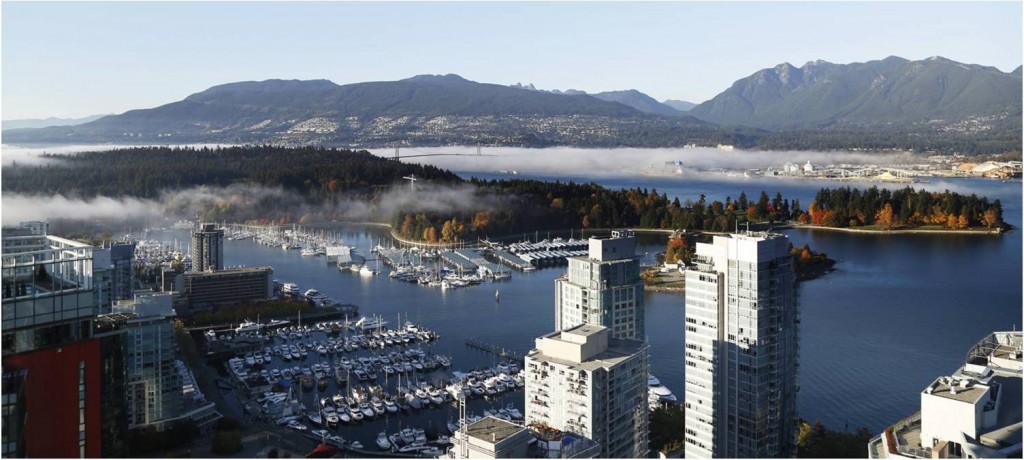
(308,185)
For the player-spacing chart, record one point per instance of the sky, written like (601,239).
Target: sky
(84,58)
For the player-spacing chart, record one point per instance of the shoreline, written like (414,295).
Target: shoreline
(906,231)
(787,225)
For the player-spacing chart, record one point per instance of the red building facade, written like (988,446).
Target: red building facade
(61,400)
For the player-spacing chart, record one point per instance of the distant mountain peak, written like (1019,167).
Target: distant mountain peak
(266,86)
(1016,71)
(437,79)
(682,106)
(892,90)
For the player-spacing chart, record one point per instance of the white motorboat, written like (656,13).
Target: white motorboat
(382,441)
(247,326)
(390,406)
(290,289)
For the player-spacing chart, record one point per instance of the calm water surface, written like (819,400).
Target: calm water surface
(899,311)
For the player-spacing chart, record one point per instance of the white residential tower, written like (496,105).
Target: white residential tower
(741,348)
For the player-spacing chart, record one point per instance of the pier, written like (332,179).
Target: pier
(511,260)
(484,267)
(461,263)
(500,351)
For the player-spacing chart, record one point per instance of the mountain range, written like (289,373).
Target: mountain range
(50,121)
(891,103)
(893,90)
(629,97)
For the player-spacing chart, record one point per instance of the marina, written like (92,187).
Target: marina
(525,302)
(340,381)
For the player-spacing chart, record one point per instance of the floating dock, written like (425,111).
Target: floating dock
(503,352)
(511,260)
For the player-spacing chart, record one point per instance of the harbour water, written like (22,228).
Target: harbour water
(899,311)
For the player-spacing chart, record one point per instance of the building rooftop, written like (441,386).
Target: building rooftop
(754,236)
(492,429)
(960,390)
(992,371)
(618,350)
(575,334)
(229,271)
(1007,429)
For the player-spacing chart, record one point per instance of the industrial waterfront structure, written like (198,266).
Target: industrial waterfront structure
(207,248)
(741,348)
(973,413)
(604,288)
(582,380)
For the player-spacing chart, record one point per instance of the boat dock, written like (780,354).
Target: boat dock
(511,260)
(396,257)
(484,267)
(461,263)
(503,352)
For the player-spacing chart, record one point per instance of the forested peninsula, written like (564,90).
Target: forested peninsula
(310,185)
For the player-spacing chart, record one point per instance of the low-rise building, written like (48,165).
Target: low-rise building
(973,413)
(491,437)
(207,290)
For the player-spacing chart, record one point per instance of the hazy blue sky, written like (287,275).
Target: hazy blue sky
(77,59)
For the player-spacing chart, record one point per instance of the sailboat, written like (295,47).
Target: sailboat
(315,416)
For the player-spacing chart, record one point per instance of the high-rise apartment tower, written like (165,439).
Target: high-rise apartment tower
(741,348)
(603,288)
(207,248)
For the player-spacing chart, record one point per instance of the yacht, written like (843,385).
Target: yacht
(277,322)
(365,323)
(330,416)
(290,289)
(247,326)
(382,441)
(377,405)
(342,414)
(513,412)
(390,406)
(367,271)
(355,411)
(367,410)
(413,400)
(315,296)
(309,251)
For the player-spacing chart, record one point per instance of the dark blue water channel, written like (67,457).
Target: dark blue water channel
(899,311)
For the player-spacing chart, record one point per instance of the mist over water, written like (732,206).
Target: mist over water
(31,154)
(572,161)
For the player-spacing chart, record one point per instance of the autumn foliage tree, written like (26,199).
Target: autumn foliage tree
(884,217)
(674,250)
(481,220)
(903,207)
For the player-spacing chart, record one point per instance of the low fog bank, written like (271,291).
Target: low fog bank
(573,161)
(428,197)
(244,202)
(19,208)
